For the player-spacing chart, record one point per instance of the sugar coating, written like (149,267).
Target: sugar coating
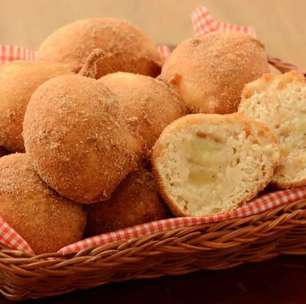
(210,71)
(18,81)
(45,220)
(280,102)
(148,105)
(126,47)
(77,140)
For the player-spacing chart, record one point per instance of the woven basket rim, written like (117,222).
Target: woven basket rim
(20,256)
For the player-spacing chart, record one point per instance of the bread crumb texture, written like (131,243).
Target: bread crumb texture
(209,163)
(280,102)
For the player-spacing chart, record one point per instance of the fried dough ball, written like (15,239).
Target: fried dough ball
(134,202)
(18,81)
(210,71)
(206,164)
(127,48)
(45,220)
(148,105)
(76,138)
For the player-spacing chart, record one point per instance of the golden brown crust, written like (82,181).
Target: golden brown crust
(45,220)
(258,85)
(77,140)
(172,205)
(18,81)
(210,71)
(134,202)
(270,81)
(197,119)
(287,185)
(258,129)
(147,104)
(126,47)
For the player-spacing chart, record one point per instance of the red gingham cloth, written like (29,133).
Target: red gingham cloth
(256,206)
(164,51)
(202,23)
(11,239)
(10,53)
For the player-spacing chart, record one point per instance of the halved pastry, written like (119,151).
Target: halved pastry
(208,163)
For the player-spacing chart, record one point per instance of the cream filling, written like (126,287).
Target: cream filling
(204,157)
(207,174)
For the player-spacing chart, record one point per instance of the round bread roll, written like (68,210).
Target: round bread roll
(280,102)
(76,138)
(127,48)
(18,81)
(148,105)
(45,220)
(210,71)
(208,163)
(134,202)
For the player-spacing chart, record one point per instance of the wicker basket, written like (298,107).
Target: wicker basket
(210,246)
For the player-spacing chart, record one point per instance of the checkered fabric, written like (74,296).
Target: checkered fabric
(11,239)
(164,51)
(256,206)
(204,23)
(10,53)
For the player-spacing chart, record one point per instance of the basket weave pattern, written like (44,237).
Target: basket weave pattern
(226,244)
(211,246)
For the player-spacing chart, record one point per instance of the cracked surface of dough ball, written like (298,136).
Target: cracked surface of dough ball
(18,81)
(134,202)
(45,220)
(210,71)
(126,47)
(147,104)
(76,138)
